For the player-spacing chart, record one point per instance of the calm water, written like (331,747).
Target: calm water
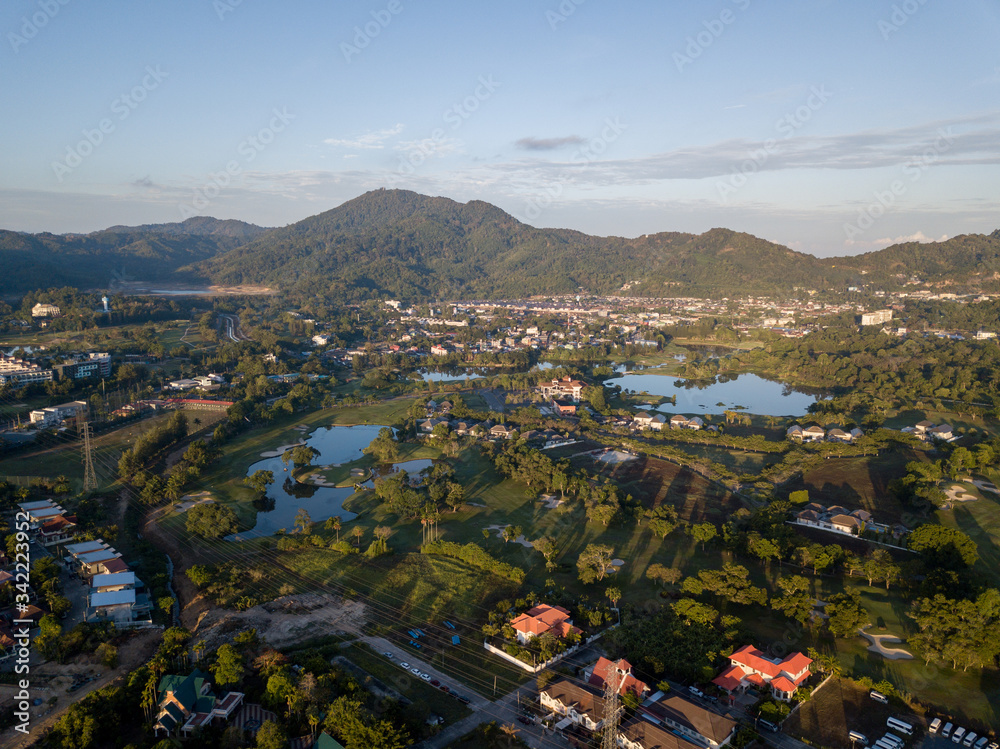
(336,445)
(745,392)
(449,375)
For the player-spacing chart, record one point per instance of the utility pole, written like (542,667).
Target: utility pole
(612,709)
(89,477)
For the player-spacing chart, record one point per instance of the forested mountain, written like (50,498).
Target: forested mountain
(396,243)
(104,259)
(399,243)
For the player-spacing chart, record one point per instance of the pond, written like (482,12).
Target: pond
(448,375)
(337,445)
(746,392)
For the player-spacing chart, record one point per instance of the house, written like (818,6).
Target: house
(53,415)
(813,433)
(501,431)
(45,310)
(123,606)
(678,422)
(641,734)
(696,724)
(923,427)
(541,619)
(186,703)
(695,422)
(323,741)
(838,435)
(794,432)
(846,524)
(57,530)
(941,432)
(95,562)
(107,582)
(749,667)
(563,407)
(658,422)
(643,419)
(567,388)
(579,705)
(598,674)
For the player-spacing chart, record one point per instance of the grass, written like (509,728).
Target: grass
(980,520)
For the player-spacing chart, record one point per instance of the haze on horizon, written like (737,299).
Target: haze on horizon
(831,127)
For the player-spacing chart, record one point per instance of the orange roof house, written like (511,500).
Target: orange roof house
(542,619)
(748,666)
(626,681)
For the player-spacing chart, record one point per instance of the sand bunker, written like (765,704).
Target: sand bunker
(550,501)
(958,493)
(985,486)
(893,654)
(613,457)
(278,452)
(190,500)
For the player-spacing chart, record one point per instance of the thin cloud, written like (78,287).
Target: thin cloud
(916,237)
(373,139)
(548,144)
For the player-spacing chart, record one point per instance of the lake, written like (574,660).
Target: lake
(746,392)
(337,445)
(448,375)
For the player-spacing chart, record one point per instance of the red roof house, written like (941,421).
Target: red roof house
(542,619)
(748,666)
(626,681)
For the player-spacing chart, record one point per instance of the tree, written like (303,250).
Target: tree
(943,547)
(511,533)
(303,523)
(211,520)
(259,481)
(702,533)
(333,524)
(271,736)
(358,533)
(107,654)
(846,614)
(546,546)
(228,668)
(796,602)
(614,595)
(662,520)
(593,562)
(663,575)
(456,496)
(384,447)
(300,455)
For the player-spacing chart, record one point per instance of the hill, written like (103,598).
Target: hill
(396,243)
(161,253)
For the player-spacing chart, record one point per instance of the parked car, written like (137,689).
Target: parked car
(415,671)
(387,655)
(404,664)
(935,726)
(425,677)
(860,738)
(768,725)
(879,697)
(435,683)
(983,741)
(696,692)
(970,738)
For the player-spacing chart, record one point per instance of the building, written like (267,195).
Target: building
(598,674)
(836,518)
(187,703)
(45,310)
(565,389)
(749,667)
(577,705)
(53,415)
(15,371)
(57,530)
(541,619)
(79,368)
(641,734)
(123,607)
(878,317)
(696,724)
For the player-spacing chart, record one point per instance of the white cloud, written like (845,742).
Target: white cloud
(916,237)
(373,139)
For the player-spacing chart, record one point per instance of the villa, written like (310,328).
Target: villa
(598,674)
(749,667)
(187,703)
(541,619)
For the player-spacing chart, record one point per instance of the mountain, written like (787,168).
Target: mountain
(401,244)
(160,253)
(396,243)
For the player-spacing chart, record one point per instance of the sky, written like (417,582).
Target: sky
(831,126)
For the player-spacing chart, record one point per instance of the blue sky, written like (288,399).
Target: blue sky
(832,127)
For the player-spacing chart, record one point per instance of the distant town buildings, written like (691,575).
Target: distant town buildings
(80,367)
(878,317)
(14,371)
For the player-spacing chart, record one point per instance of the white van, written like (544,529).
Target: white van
(893,739)
(970,738)
(935,725)
(946,731)
(958,734)
(879,697)
(859,738)
(983,741)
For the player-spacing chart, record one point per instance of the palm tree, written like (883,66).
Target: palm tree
(358,533)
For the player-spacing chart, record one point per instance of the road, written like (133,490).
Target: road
(230,325)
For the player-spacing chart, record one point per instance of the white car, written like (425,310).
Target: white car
(425,677)
(404,664)
(415,671)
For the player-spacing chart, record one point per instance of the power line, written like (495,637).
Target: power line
(89,476)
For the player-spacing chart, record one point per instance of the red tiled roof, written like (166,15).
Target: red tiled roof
(544,618)
(604,667)
(783,685)
(729,679)
(756,679)
(752,658)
